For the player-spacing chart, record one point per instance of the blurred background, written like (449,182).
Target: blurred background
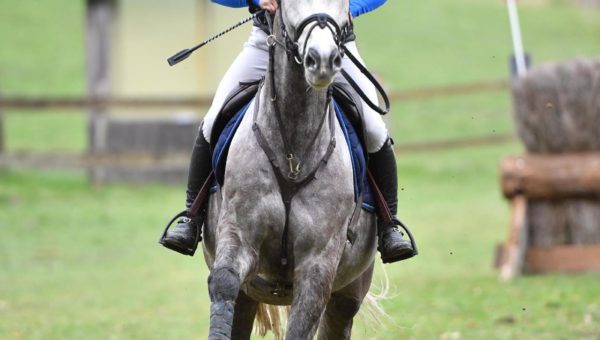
(95,131)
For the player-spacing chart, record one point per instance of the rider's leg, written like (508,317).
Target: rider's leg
(382,164)
(182,237)
(392,245)
(251,63)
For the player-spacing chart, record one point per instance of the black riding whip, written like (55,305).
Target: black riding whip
(182,55)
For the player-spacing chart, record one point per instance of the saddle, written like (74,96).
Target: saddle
(235,101)
(345,97)
(348,109)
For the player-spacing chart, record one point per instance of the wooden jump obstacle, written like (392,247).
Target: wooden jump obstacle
(555,188)
(546,177)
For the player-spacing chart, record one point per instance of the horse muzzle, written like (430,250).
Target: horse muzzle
(321,67)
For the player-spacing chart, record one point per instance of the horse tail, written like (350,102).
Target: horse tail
(271,318)
(373,313)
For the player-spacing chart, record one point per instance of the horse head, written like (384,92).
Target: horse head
(316,30)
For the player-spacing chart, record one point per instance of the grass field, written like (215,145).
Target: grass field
(82,262)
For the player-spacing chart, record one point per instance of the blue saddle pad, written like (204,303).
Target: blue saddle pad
(221,148)
(359,163)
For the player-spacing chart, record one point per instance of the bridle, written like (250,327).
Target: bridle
(291,47)
(321,20)
(340,37)
(291,182)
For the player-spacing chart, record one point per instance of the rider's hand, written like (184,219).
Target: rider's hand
(269,5)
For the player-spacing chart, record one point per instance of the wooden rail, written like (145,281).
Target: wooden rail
(57,160)
(451,90)
(564,259)
(43,103)
(25,103)
(1,130)
(457,143)
(551,176)
(73,161)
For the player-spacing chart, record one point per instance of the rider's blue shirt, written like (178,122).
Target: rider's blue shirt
(357,7)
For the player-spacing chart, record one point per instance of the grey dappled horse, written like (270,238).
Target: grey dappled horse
(317,271)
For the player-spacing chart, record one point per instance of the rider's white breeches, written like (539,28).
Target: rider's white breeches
(252,63)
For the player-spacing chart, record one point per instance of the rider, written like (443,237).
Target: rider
(252,63)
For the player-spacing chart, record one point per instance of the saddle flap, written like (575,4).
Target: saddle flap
(235,101)
(351,105)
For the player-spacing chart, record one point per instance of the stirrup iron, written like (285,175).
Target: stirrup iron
(397,222)
(185,251)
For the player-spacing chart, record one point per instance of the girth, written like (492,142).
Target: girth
(290,185)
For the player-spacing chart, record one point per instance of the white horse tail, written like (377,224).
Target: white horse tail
(373,313)
(271,318)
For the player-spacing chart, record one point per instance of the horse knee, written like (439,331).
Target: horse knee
(344,307)
(223,284)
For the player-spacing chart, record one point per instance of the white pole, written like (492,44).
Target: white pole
(515,29)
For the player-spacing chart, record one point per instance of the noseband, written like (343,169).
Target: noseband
(321,20)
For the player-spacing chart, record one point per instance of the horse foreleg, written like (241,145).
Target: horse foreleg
(232,265)
(343,306)
(312,287)
(243,319)
(223,287)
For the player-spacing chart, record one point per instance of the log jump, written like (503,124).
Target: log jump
(555,188)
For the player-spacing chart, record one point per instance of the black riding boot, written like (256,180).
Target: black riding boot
(183,236)
(392,245)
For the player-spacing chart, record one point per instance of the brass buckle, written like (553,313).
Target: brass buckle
(294,169)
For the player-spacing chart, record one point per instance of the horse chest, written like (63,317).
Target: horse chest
(250,176)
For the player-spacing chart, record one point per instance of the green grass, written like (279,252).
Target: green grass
(450,118)
(430,42)
(82,262)
(52,131)
(42,47)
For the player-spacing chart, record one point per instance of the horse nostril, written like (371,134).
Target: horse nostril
(310,62)
(336,60)
(312,59)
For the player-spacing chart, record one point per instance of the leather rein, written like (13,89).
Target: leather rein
(291,183)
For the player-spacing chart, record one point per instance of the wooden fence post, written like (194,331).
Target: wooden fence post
(514,251)
(98,26)
(2,138)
